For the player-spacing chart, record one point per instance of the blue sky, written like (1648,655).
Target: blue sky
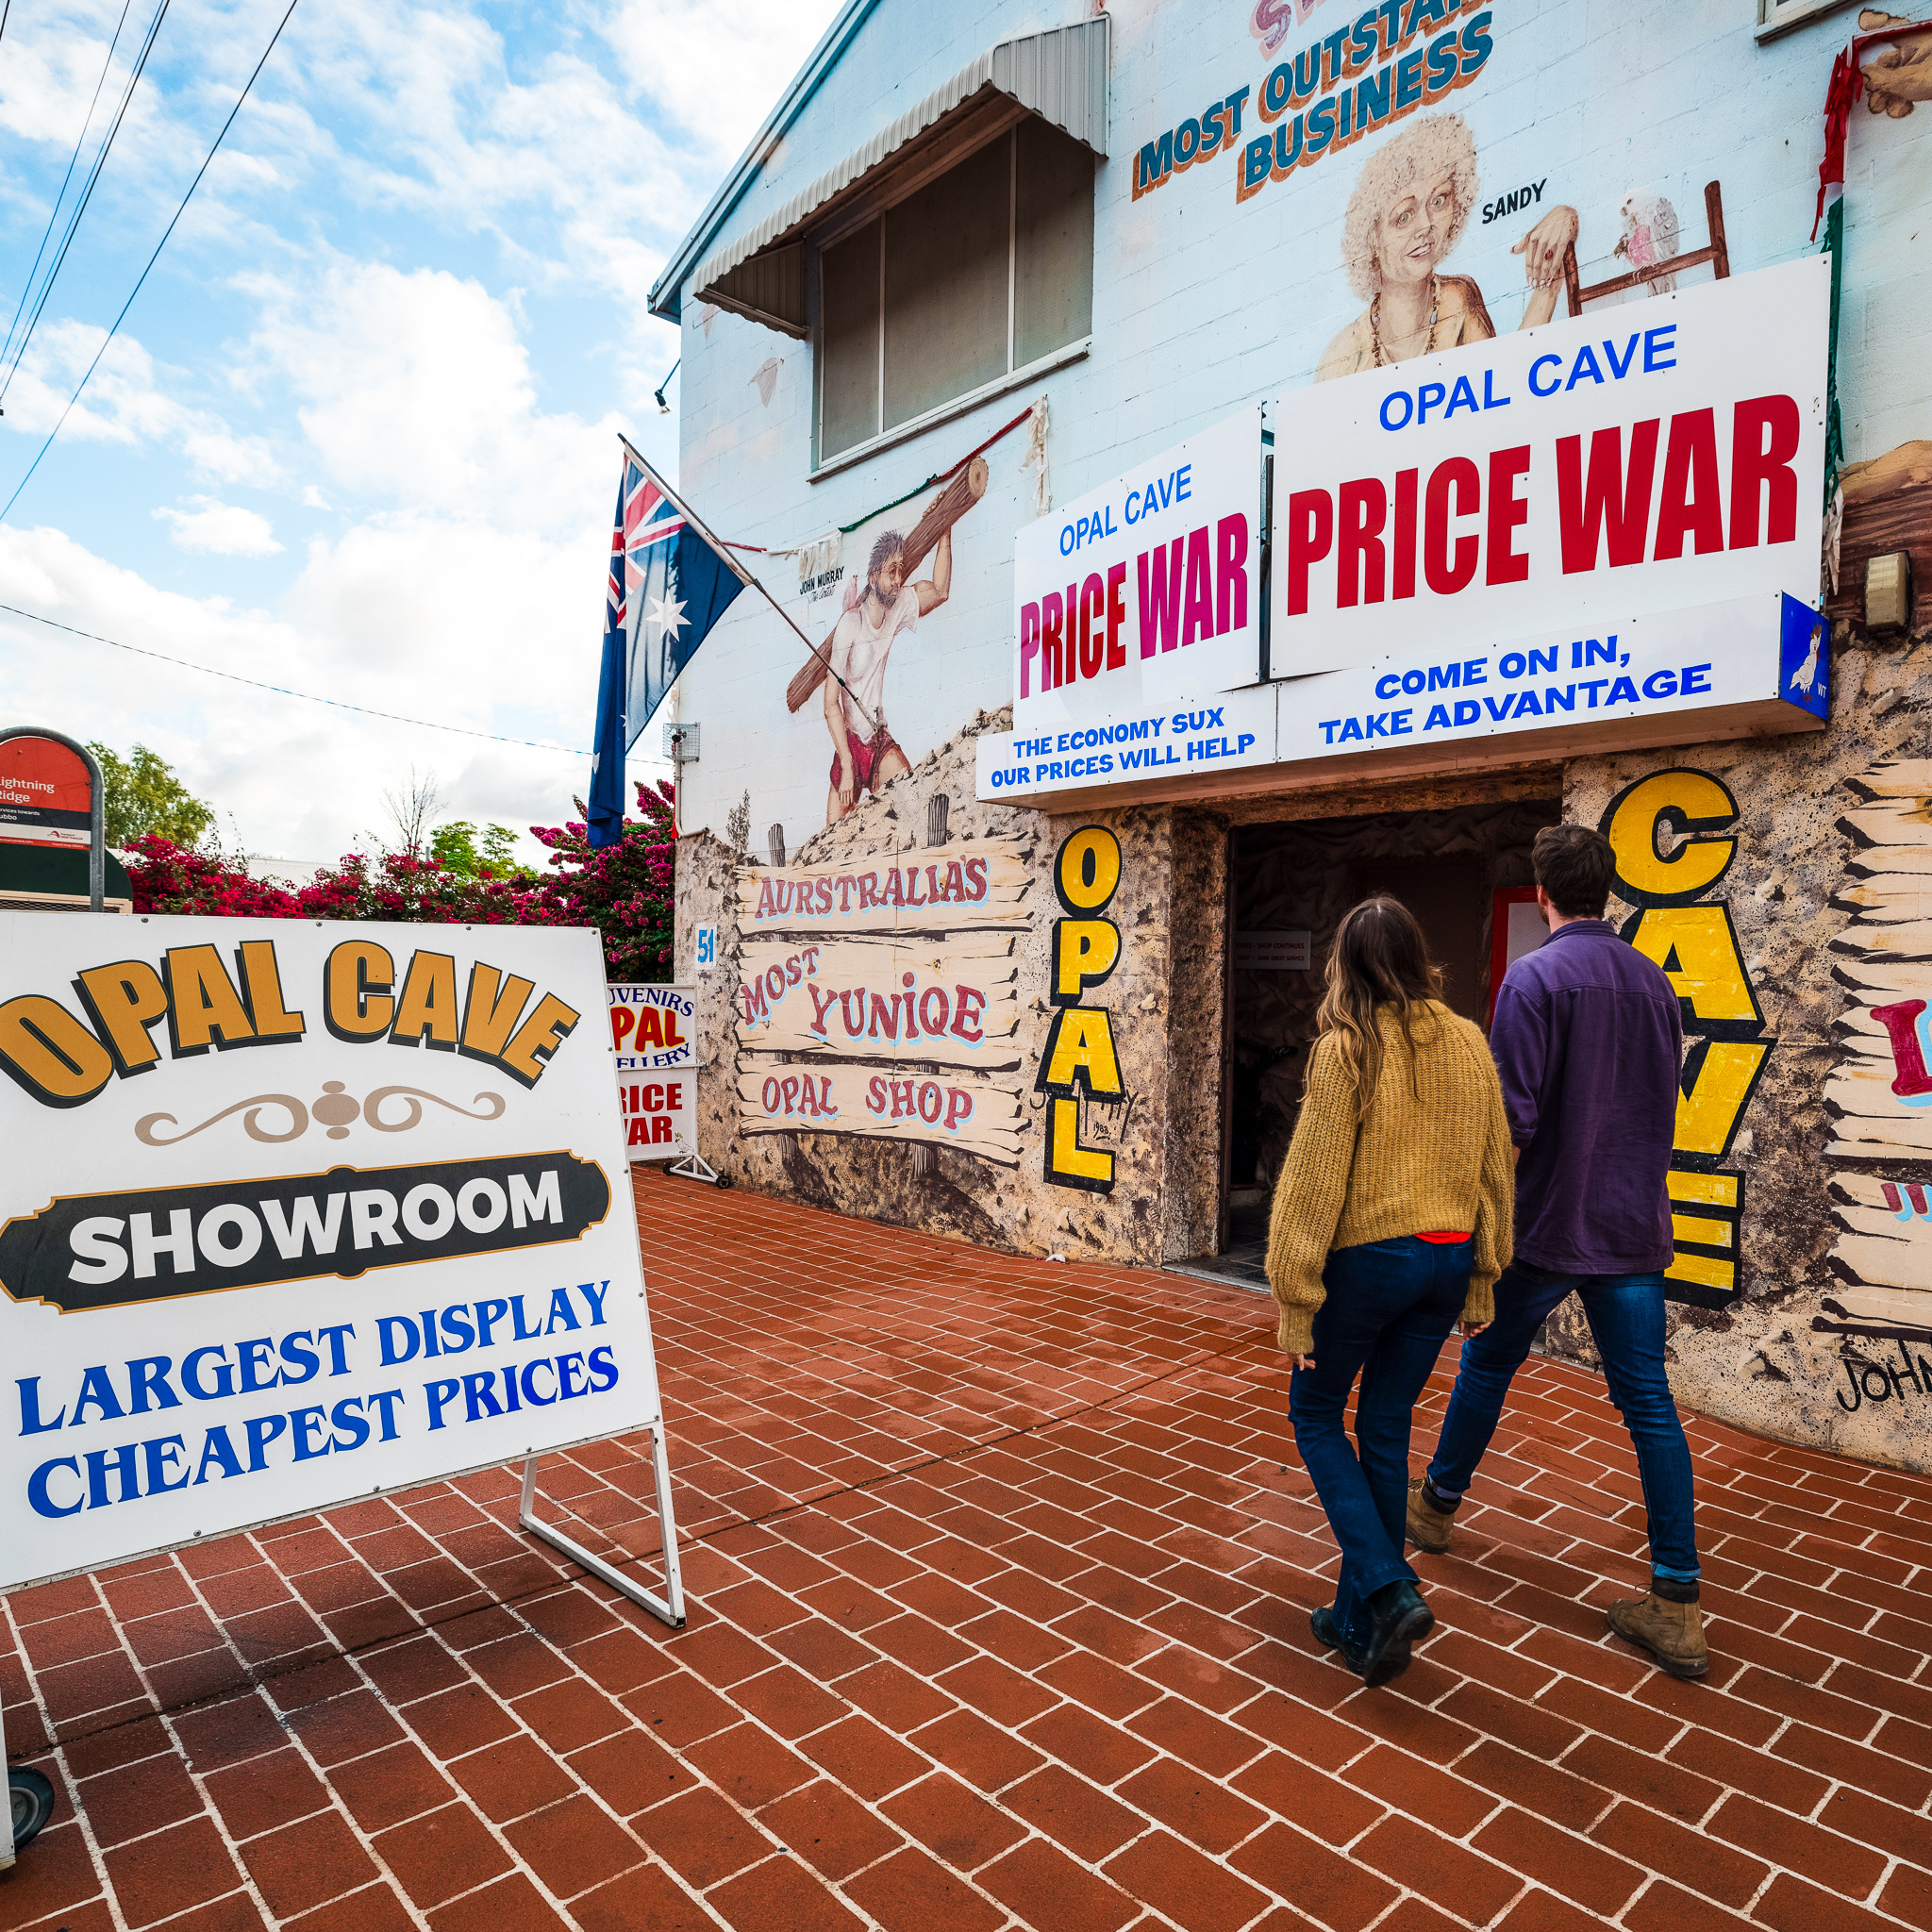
(357,434)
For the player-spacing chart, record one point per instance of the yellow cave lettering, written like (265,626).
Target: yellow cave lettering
(44,1049)
(1685,802)
(1087,872)
(490,1010)
(538,1039)
(1067,1162)
(1714,1189)
(124,1000)
(1081,1052)
(1697,948)
(1716,1202)
(1722,1074)
(1697,1228)
(1085,951)
(358,983)
(204,1007)
(1706,1271)
(427,1006)
(261,980)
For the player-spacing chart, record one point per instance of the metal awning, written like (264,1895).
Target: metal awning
(1060,75)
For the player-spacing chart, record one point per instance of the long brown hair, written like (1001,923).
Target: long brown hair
(1379,958)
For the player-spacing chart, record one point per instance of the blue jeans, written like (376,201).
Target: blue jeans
(1626,1316)
(1391,1307)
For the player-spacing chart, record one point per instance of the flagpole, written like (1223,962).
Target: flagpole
(745,577)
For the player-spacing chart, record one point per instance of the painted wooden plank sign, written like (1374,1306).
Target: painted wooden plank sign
(1880,1091)
(953,1000)
(1879,1094)
(1885,1250)
(947,888)
(951,1108)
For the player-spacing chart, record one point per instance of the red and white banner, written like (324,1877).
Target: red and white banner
(1648,457)
(653,1034)
(1146,590)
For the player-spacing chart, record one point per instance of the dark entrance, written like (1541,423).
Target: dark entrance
(1291,883)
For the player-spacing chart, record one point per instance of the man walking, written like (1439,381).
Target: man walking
(1587,1040)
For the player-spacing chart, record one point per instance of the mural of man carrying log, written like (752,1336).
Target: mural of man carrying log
(866,756)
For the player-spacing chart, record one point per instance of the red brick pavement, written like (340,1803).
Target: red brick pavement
(1001,1572)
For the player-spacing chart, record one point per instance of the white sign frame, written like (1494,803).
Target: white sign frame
(1749,667)
(166,1333)
(1164,565)
(1431,495)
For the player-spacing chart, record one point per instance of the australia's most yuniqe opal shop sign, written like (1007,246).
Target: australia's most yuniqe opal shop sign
(1602,531)
(238,1284)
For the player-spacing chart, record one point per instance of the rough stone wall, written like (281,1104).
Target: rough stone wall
(1776,1360)
(1197,1004)
(1163,998)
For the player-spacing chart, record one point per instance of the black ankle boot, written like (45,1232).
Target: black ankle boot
(1401,1618)
(1328,1632)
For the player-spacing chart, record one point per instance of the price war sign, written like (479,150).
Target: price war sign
(241,1284)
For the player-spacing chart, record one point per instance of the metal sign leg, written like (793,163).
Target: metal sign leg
(670,1607)
(6,1830)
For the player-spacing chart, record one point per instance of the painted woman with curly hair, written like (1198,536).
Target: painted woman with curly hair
(1410,204)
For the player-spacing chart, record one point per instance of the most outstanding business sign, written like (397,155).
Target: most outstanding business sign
(1603,531)
(294,1212)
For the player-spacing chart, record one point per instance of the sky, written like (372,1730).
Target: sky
(357,434)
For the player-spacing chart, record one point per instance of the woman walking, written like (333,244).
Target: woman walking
(1392,1221)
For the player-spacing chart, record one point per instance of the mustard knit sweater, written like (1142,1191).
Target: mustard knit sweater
(1433,1155)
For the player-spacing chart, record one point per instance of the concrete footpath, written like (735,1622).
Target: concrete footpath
(1002,1572)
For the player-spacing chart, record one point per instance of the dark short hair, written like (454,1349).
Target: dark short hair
(891,545)
(1574,865)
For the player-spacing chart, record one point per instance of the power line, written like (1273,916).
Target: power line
(79,140)
(156,256)
(282,690)
(86,195)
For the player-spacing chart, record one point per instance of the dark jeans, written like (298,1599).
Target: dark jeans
(1391,1307)
(1626,1316)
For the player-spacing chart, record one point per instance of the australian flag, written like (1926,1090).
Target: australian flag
(668,584)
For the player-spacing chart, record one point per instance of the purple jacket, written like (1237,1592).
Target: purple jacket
(1588,1042)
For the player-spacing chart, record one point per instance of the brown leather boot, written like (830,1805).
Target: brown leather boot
(1428,1527)
(1672,1633)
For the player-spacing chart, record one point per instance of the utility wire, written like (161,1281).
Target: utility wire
(86,195)
(54,212)
(156,255)
(282,690)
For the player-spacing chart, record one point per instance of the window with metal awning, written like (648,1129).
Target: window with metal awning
(950,255)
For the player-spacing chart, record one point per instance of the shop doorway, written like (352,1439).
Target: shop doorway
(1460,871)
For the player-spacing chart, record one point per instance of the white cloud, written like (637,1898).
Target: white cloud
(222,529)
(415,390)
(124,403)
(306,779)
(677,51)
(460,576)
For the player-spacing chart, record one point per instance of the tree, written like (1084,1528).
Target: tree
(410,809)
(145,799)
(737,823)
(460,848)
(627,891)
